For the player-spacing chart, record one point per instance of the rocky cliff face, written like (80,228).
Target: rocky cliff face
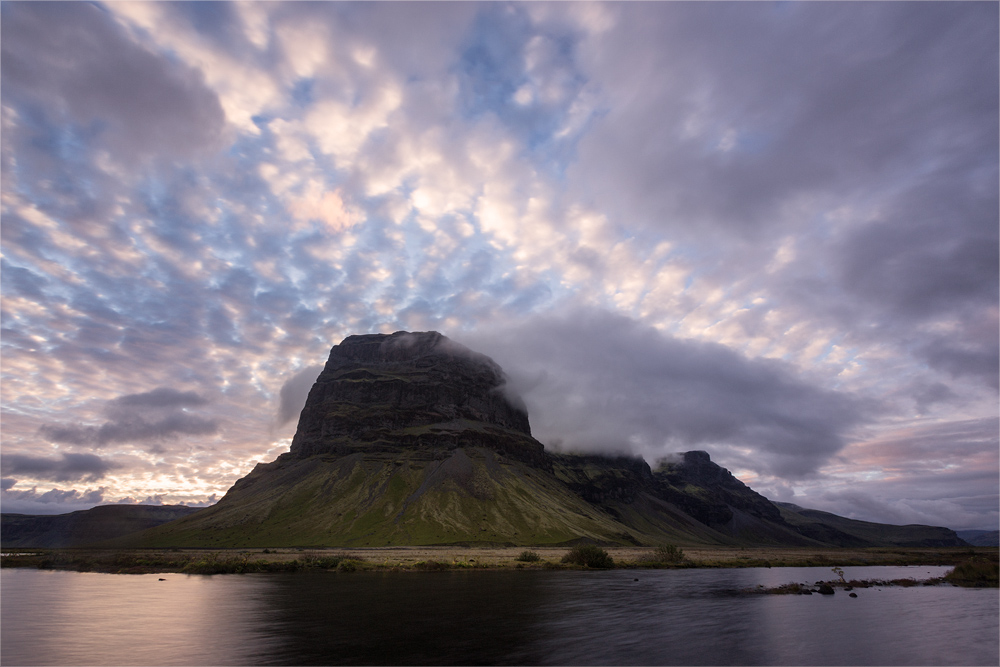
(378,392)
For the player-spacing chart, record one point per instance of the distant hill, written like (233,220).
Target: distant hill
(842,532)
(412,439)
(76,529)
(981,538)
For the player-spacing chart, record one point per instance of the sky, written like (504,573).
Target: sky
(764,230)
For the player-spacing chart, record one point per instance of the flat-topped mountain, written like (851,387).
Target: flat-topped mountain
(410,390)
(413,439)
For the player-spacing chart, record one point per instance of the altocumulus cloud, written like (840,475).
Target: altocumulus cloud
(137,418)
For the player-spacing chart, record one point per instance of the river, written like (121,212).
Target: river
(617,617)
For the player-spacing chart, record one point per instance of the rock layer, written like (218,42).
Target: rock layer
(378,392)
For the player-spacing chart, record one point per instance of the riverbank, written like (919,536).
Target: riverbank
(974,572)
(222,561)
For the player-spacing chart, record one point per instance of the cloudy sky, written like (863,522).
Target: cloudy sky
(764,230)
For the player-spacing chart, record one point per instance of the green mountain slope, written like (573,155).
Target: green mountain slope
(468,494)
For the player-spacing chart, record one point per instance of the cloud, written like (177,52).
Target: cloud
(70,62)
(941,473)
(927,449)
(733,110)
(597,381)
(24,281)
(135,418)
(71,467)
(294,392)
(789,205)
(53,501)
(161,397)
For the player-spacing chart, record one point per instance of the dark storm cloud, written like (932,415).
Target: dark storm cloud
(924,275)
(135,418)
(71,61)
(936,253)
(934,256)
(593,380)
(294,392)
(820,98)
(71,467)
(752,123)
(981,359)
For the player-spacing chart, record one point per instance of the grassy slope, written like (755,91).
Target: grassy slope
(471,495)
(477,495)
(864,533)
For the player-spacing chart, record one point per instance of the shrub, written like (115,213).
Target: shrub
(668,553)
(589,555)
(431,565)
(528,556)
(326,562)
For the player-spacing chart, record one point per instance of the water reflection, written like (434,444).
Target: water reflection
(688,617)
(449,617)
(74,618)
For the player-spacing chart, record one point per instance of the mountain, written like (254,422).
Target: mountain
(105,522)
(980,538)
(413,439)
(842,532)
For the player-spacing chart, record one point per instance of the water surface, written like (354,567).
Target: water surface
(619,617)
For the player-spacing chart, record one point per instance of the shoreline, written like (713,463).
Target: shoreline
(424,558)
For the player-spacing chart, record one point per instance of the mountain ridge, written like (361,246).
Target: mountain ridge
(83,527)
(413,439)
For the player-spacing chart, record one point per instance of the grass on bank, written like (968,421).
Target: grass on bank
(977,572)
(981,571)
(144,563)
(976,567)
